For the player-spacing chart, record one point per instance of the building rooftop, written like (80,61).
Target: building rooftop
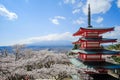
(101,51)
(96,65)
(99,30)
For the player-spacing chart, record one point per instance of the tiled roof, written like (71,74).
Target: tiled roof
(103,51)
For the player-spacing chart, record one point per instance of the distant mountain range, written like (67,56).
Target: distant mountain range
(52,43)
(56,46)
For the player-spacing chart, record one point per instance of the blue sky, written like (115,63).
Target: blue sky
(31,21)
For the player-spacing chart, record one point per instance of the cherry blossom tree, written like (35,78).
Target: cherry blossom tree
(17,50)
(41,64)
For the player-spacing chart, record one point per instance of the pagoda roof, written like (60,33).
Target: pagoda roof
(99,30)
(101,40)
(96,65)
(102,51)
(104,64)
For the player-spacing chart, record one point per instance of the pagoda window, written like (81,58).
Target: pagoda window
(90,45)
(82,56)
(93,44)
(93,57)
(92,34)
(83,44)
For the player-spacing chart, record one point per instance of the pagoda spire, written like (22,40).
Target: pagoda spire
(89,17)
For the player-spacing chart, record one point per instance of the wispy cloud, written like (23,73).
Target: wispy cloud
(69,1)
(56,19)
(6,13)
(113,34)
(118,3)
(79,21)
(76,11)
(102,6)
(67,36)
(79,4)
(76,5)
(99,19)
(50,37)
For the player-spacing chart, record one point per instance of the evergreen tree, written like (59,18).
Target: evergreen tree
(76,46)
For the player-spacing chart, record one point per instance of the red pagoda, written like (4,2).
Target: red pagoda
(90,52)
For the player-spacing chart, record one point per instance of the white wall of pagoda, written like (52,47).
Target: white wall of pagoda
(91,57)
(90,34)
(90,45)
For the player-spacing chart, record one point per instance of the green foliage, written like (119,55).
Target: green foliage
(76,46)
(115,47)
(116,58)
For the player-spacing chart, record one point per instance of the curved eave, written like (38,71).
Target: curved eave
(99,30)
(104,52)
(95,65)
(78,33)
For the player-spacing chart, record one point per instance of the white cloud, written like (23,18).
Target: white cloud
(5,12)
(78,7)
(69,1)
(118,3)
(56,19)
(76,11)
(75,4)
(59,17)
(65,36)
(97,6)
(114,34)
(79,4)
(50,37)
(99,20)
(79,21)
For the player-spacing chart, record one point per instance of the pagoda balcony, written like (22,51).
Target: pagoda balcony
(92,48)
(94,40)
(90,57)
(99,37)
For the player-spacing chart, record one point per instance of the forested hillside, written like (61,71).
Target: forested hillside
(115,47)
